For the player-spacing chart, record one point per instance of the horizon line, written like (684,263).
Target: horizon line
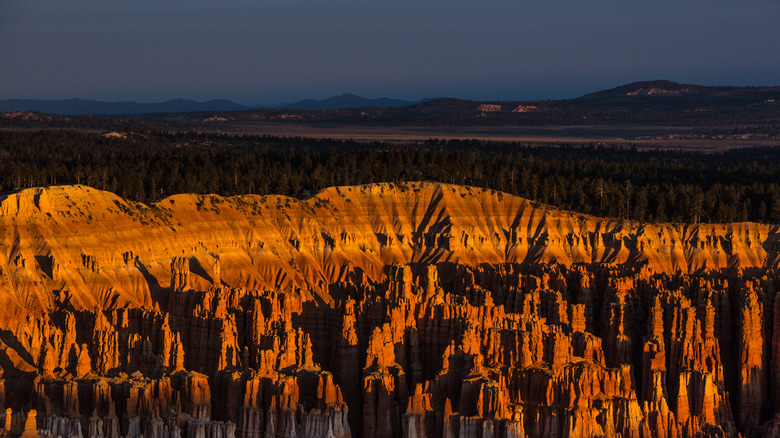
(349,93)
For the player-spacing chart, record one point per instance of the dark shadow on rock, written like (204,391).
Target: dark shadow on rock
(45,263)
(157,292)
(10,340)
(197,269)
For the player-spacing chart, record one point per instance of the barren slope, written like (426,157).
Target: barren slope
(380,311)
(103,250)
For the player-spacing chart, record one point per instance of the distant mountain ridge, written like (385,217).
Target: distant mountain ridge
(637,95)
(347,100)
(76,106)
(72,107)
(648,88)
(669,93)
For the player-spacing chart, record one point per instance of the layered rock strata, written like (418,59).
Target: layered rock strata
(413,310)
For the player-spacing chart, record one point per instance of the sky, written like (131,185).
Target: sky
(279,51)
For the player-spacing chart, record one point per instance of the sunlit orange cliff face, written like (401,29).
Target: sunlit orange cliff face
(387,310)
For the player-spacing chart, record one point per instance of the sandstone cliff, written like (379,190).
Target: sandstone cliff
(415,309)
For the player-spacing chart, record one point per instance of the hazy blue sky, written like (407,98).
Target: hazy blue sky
(274,51)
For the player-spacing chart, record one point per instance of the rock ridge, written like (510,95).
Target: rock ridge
(385,310)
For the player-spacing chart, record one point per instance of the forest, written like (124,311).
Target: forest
(606,180)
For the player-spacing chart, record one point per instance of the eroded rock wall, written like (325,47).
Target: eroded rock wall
(419,310)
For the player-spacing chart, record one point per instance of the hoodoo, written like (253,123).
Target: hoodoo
(385,310)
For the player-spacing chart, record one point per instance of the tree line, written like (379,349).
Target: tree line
(612,180)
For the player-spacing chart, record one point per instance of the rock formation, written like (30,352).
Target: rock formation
(411,310)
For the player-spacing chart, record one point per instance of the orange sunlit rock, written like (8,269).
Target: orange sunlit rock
(386,310)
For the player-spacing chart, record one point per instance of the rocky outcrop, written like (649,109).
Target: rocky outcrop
(413,310)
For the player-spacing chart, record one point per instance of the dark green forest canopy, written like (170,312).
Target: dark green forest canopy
(614,181)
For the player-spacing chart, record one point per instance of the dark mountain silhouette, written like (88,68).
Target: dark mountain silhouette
(665,94)
(648,88)
(347,100)
(83,106)
(653,102)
